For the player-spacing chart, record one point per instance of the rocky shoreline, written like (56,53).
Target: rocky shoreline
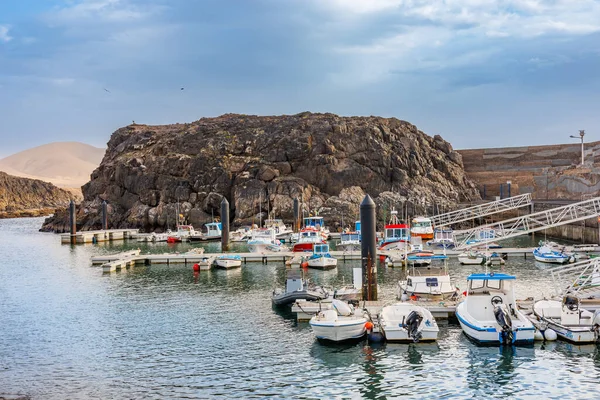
(263,163)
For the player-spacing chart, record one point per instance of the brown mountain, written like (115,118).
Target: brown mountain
(328,160)
(29,197)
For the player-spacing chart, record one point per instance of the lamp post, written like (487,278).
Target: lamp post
(581,134)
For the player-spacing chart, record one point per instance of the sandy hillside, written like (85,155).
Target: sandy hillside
(65,164)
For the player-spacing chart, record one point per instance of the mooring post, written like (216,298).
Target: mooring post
(508,184)
(224,225)
(501,191)
(104,215)
(368,248)
(73,220)
(484,194)
(296,214)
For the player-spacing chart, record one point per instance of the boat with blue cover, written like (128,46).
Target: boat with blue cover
(321,258)
(547,254)
(489,313)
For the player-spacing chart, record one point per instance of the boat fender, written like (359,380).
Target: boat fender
(196,267)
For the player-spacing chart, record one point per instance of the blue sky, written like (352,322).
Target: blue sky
(481,73)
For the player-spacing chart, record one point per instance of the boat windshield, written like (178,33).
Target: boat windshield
(484,286)
(396,233)
(350,237)
(422,224)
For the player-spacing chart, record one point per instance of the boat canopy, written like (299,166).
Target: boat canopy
(491,277)
(316,222)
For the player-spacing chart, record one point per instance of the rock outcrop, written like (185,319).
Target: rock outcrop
(329,161)
(29,197)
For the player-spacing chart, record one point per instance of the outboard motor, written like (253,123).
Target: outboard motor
(412,323)
(503,318)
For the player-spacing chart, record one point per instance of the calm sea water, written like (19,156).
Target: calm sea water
(68,331)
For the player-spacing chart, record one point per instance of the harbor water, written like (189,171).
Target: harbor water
(158,332)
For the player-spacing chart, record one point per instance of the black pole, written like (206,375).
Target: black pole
(368,248)
(73,220)
(508,184)
(104,215)
(296,215)
(501,191)
(224,225)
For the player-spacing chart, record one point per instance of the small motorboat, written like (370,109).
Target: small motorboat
(265,240)
(489,313)
(320,258)
(569,320)
(160,237)
(341,323)
(471,258)
(428,283)
(350,241)
(495,259)
(297,288)
(547,254)
(396,235)
(421,227)
(308,237)
(351,292)
(405,322)
(211,231)
(228,261)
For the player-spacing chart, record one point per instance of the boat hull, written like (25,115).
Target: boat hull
(290,298)
(303,247)
(489,334)
(322,263)
(551,260)
(227,263)
(339,331)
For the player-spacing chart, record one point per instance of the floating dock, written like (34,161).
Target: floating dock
(99,236)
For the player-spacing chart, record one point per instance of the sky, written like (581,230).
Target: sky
(480,73)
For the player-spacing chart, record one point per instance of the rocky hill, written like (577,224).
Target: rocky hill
(328,160)
(29,197)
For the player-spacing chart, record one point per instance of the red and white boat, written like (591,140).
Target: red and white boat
(307,239)
(397,235)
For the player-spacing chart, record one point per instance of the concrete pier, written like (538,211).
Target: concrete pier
(98,236)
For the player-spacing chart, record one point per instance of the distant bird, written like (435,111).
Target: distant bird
(181,89)
(106,90)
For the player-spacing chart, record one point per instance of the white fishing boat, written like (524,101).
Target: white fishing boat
(422,227)
(547,254)
(242,234)
(318,224)
(489,313)
(569,320)
(160,237)
(341,323)
(265,240)
(405,322)
(350,241)
(428,283)
(228,261)
(183,234)
(211,231)
(321,258)
(442,238)
(471,258)
(279,227)
(297,288)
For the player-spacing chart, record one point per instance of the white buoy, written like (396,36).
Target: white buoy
(549,335)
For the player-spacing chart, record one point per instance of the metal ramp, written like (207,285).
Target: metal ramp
(529,223)
(465,214)
(581,279)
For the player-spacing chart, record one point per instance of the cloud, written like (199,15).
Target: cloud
(4,37)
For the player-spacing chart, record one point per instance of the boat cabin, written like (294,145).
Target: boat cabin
(440,235)
(308,235)
(212,229)
(396,232)
(485,290)
(350,237)
(357,226)
(314,222)
(421,222)
(321,249)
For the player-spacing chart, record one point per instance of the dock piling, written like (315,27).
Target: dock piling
(224,225)
(368,248)
(73,221)
(104,215)
(296,214)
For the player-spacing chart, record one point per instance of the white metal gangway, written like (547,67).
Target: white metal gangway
(529,223)
(481,210)
(581,279)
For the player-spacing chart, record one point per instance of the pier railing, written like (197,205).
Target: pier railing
(581,279)
(528,223)
(481,210)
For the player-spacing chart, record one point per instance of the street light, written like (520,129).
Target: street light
(581,134)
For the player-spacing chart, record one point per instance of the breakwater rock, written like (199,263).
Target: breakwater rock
(29,197)
(262,163)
